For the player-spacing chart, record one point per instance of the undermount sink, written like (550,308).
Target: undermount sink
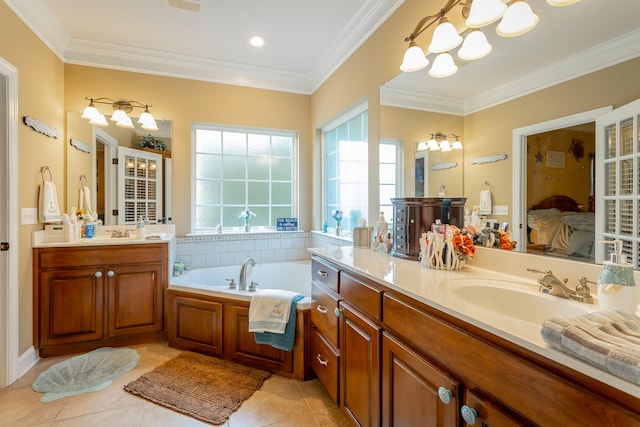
(513,299)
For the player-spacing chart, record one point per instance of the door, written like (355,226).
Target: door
(139,185)
(617,177)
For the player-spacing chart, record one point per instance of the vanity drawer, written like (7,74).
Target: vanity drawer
(324,361)
(362,294)
(323,306)
(325,273)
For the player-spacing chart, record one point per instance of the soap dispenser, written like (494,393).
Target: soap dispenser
(140,229)
(616,287)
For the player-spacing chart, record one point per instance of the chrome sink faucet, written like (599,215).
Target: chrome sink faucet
(551,285)
(242,283)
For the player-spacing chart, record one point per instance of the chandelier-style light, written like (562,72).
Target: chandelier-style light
(440,142)
(516,19)
(119,116)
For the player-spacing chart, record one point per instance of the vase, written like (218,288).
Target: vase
(247,226)
(337,228)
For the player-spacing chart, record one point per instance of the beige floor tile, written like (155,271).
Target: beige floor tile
(315,395)
(22,407)
(332,417)
(155,415)
(123,417)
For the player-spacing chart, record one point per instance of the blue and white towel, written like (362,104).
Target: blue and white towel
(269,310)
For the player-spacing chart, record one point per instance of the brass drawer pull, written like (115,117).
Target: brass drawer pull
(322,360)
(323,273)
(322,309)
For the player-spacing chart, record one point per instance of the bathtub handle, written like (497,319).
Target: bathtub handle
(232,283)
(322,273)
(322,360)
(322,309)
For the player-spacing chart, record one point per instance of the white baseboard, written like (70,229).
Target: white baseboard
(27,360)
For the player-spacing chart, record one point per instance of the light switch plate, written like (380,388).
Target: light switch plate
(501,210)
(28,216)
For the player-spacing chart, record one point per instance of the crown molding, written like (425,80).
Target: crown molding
(402,98)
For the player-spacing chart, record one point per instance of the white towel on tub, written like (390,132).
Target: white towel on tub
(269,310)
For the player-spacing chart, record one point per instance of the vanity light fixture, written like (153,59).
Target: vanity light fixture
(515,19)
(119,116)
(440,142)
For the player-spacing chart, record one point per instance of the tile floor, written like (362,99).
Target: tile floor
(281,402)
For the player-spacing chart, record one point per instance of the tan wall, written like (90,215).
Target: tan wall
(185,102)
(40,95)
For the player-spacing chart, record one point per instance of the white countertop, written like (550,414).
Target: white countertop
(429,286)
(154,233)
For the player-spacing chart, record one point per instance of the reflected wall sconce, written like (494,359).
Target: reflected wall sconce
(119,116)
(440,142)
(515,19)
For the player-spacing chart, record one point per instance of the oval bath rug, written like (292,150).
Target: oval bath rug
(93,371)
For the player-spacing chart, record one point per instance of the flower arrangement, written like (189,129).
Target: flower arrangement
(247,215)
(152,142)
(337,215)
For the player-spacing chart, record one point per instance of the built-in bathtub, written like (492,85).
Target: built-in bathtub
(206,316)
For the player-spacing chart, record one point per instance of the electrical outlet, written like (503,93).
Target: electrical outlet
(28,216)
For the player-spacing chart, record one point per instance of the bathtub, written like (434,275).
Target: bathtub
(292,276)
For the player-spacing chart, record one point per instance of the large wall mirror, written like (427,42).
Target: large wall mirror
(90,150)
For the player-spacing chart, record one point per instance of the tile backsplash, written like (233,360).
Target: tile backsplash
(232,249)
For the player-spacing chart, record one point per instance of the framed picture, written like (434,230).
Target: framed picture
(555,159)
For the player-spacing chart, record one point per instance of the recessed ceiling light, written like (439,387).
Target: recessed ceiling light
(257,41)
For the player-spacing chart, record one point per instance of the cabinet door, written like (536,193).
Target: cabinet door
(360,367)
(195,324)
(240,344)
(487,414)
(71,306)
(135,299)
(414,391)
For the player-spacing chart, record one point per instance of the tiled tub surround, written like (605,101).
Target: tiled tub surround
(215,250)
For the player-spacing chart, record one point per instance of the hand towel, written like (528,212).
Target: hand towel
(48,198)
(84,200)
(485,202)
(284,341)
(608,340)
(269,310)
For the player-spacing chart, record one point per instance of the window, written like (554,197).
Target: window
(346,161)
(239,168)
(391,178)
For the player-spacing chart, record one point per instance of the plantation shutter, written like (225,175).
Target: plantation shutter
(139,185)
(618,182)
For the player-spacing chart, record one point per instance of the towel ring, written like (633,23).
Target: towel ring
(44,169)
(485,186)
(83,181)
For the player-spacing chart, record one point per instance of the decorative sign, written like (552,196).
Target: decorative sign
(80,145)
(488,159)
(555,159)
(441,166)
(287,224)
(41,127)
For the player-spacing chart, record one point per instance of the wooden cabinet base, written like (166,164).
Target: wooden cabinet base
(85,346)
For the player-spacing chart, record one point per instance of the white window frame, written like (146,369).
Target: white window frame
(244,129)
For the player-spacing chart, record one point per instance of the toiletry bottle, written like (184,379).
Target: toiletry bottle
(616,287)
(140,229)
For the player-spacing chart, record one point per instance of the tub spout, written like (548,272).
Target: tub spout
(242,285)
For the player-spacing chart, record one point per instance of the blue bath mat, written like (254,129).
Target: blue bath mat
(87,372)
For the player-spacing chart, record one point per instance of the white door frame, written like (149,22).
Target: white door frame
(110,152)
(9,319)
(519,175)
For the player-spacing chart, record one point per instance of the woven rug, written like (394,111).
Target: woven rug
(207,388)
(93,371)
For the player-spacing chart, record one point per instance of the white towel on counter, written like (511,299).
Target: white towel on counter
(48,198)
(269,310)
(84,200)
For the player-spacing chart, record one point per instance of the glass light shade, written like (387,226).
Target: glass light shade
(422,146)
(518,19)
(475,46)
(443,66)
(414,59)
(445,146)
(145,117)
(99,120)
(457,145)
(445,37)
(118,116)
(90,112)
(485,12)
(149,125)
(433,145)
(125,122)
(562,2)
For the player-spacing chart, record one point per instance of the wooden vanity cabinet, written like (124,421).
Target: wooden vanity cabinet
(95,296)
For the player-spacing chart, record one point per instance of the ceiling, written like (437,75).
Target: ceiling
(305,44)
